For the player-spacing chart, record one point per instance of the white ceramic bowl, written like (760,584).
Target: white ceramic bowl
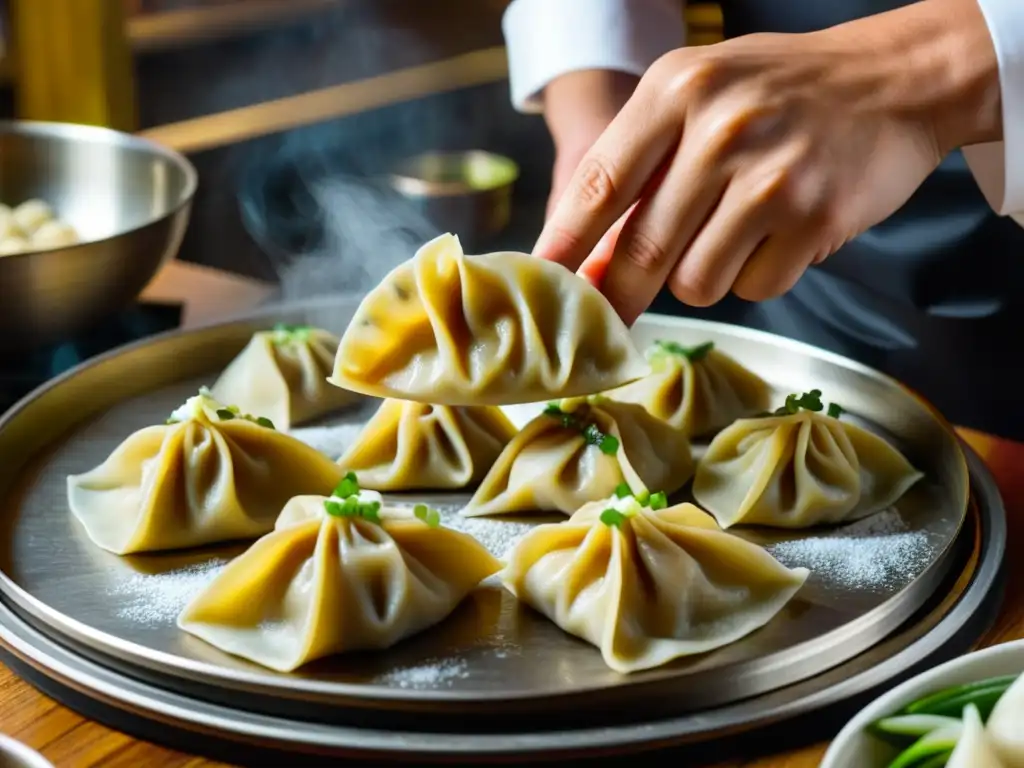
(854,747)
(14,754)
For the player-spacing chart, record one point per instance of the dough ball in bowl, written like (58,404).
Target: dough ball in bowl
(54,234)
(31,215)
(13,244)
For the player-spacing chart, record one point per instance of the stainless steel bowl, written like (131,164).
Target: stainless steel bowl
(14,754)
(466,193)
(128,198)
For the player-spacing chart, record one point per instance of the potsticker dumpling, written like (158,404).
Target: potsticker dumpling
(337,574)
(411,446)
(799,467)
(697,389)
(580,450)
(282,375)
(497,329)
(647,584)
(211,474)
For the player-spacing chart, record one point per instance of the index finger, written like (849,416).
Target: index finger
(608,180)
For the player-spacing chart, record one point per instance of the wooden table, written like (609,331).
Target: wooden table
(70,741)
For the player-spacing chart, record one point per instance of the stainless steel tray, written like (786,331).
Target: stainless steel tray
(959,612)
(493,657)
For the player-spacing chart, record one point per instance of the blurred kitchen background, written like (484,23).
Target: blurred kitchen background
(292,111)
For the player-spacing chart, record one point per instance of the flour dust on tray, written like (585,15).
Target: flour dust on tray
(440,673)
(875,553)
(332,440)
(156,599)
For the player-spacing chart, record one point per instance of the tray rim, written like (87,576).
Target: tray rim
(884,615)
(990,547)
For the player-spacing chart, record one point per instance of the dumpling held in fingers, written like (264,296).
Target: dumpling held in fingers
(338,573)
(411,446)
(648,584)
(799,467)
(498,329)
(282,374)
(579,450)
(697,389)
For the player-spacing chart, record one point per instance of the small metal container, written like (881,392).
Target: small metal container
(466,193)
(14,754)
(128,198)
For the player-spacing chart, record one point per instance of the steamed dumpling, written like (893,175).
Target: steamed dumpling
(54,234)
(209,475)
(578,451)
(410,446)
(697,389)
(497,329)
(648,585)
(31,215)
(282,375)
(799,468)
(337,574)
(1006,725)
(14,244)
(974,748)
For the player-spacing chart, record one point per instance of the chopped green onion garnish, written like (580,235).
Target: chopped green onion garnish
(808,401)
(370,511)
(835,410)
(352,507)
(429,516)
(349,486)
(643,497)
(333,508)
(609,445)
(612,518)
(693,354)
(658,500)
(224,414)
(263,421)
(622,491)
(172,421)
(235,410)
(606,443)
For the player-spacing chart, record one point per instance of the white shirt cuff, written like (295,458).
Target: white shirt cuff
(999,167)
(549,38)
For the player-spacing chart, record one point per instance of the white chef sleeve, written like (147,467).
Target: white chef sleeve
(999,166)
(548,38)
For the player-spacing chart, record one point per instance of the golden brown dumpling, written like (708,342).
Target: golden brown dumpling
(337,574)
(648,585)
(282,375)
(209,475)
(697,389)
(411,446)
(498,329)
(580,450)
(799,467)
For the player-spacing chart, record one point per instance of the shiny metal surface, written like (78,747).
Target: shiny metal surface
(959,601)
(128,198)
(492,656)
(14,754)
(465,192)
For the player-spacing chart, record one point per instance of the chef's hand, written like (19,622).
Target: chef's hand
(750,160)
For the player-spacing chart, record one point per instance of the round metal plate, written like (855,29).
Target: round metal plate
(966,593)
(493,656)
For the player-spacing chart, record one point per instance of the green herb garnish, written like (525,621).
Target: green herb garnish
(623,491)
(808,401)
(607,444)
(353,507)
(263,421)
(349,486)
(613,518)
(225,414)
(287,334)
(428,515)
(658,501)
(693,354)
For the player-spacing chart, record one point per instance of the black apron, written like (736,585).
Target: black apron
(933,296)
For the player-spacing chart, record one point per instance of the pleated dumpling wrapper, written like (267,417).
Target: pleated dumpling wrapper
(974,747)
(282,375)
(579,450)
(648,584)
(799,467)
(338,574)
(1005,726)
(411,446)
(697,389)
(210,474)
(498,329)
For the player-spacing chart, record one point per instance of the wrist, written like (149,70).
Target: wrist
(935,63)
(581,104)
